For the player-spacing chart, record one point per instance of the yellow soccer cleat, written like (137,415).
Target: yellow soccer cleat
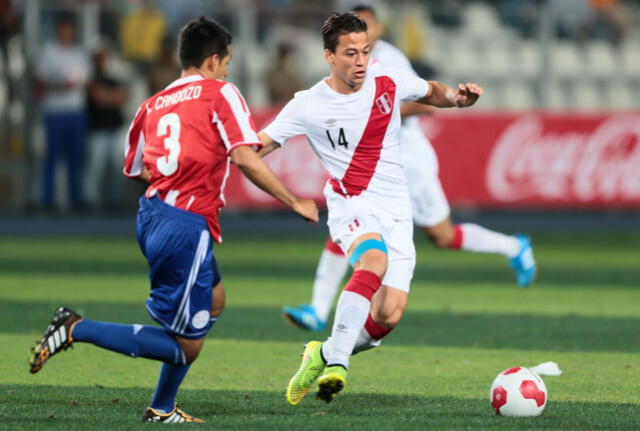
(331,382)
(311,367)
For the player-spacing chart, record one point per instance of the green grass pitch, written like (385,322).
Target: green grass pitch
(466,321)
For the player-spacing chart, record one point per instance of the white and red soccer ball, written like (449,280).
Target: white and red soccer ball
(518,391)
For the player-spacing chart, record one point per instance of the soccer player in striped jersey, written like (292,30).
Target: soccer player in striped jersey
(430,208)
(352,120)
(181,141)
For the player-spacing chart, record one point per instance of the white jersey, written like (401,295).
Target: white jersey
(420,162)
(357,137)
(390,56)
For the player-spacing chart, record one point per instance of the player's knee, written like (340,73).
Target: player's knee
(374,261)
(191,348)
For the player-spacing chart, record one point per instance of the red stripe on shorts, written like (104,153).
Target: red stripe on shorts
(332,247)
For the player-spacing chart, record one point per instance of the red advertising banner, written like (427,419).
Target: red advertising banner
(532,160)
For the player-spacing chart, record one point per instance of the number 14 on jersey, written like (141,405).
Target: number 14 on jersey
(342,140)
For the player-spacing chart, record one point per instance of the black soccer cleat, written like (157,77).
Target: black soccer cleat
(56,338)
(175,417)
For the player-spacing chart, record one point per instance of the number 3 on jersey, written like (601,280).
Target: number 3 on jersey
(342,140)
(169,124)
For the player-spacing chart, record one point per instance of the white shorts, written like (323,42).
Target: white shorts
(347,223)
(428,201)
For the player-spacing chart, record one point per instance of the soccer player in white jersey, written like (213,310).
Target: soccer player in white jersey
(429,204)
(352,120)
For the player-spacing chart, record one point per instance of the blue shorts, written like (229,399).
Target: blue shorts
(183,270)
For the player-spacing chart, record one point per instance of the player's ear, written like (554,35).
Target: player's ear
(329,56)
(212,63)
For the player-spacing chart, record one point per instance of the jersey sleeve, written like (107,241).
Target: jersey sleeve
(290,121)
(135,144)
(233,119)
(411,87)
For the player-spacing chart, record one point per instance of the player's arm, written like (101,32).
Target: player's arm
(268,144)
(443,96)
(257,171)
(409,109)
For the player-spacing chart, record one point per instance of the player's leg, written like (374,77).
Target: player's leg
(368,254)
(171,376)
(388,303)
(431,214)
(474,238)
(332,267)
(387,309)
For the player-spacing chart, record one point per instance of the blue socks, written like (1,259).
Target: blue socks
(164,398)
(134,340)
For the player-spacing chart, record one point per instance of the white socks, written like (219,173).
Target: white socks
(351,315)
(481,240)
(365,342)
(330,272)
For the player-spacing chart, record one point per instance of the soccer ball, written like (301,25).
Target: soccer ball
(518,391)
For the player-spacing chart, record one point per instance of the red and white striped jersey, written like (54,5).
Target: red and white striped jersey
(183,136)
(356,136)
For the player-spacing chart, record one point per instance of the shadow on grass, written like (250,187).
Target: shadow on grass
(91,407)
(428,273)
(479,330)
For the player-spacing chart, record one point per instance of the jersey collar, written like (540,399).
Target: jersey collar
(185,80)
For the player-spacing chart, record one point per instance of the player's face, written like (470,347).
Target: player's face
(349,62)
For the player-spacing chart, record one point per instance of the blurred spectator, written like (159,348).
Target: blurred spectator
(165,69)
(283,79)
(141,34)
(610,16)
(572,18)
(521,15)
(105,100)
(62,72)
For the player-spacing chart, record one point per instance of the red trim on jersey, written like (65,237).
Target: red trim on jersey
(364,283)
(374,330)
(458,236)
(366,155)
(332,247)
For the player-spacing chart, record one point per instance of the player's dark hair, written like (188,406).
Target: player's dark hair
(337,25)
(363,8)
(200,39)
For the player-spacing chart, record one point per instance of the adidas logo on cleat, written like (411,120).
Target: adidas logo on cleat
(56,337)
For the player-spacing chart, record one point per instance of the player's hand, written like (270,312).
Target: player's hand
(467,94)
(307,209)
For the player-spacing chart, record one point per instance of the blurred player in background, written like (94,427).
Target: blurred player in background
(352,120)
(430,208)
(181,141)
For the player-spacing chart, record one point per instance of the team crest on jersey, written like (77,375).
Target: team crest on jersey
(384,103)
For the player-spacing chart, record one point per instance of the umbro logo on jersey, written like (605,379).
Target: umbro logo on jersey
(331,122)
(384,103)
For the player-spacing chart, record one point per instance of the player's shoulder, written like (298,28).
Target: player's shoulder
(300,98)
(378,69)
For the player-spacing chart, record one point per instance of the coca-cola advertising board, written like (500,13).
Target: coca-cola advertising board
(525,160)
